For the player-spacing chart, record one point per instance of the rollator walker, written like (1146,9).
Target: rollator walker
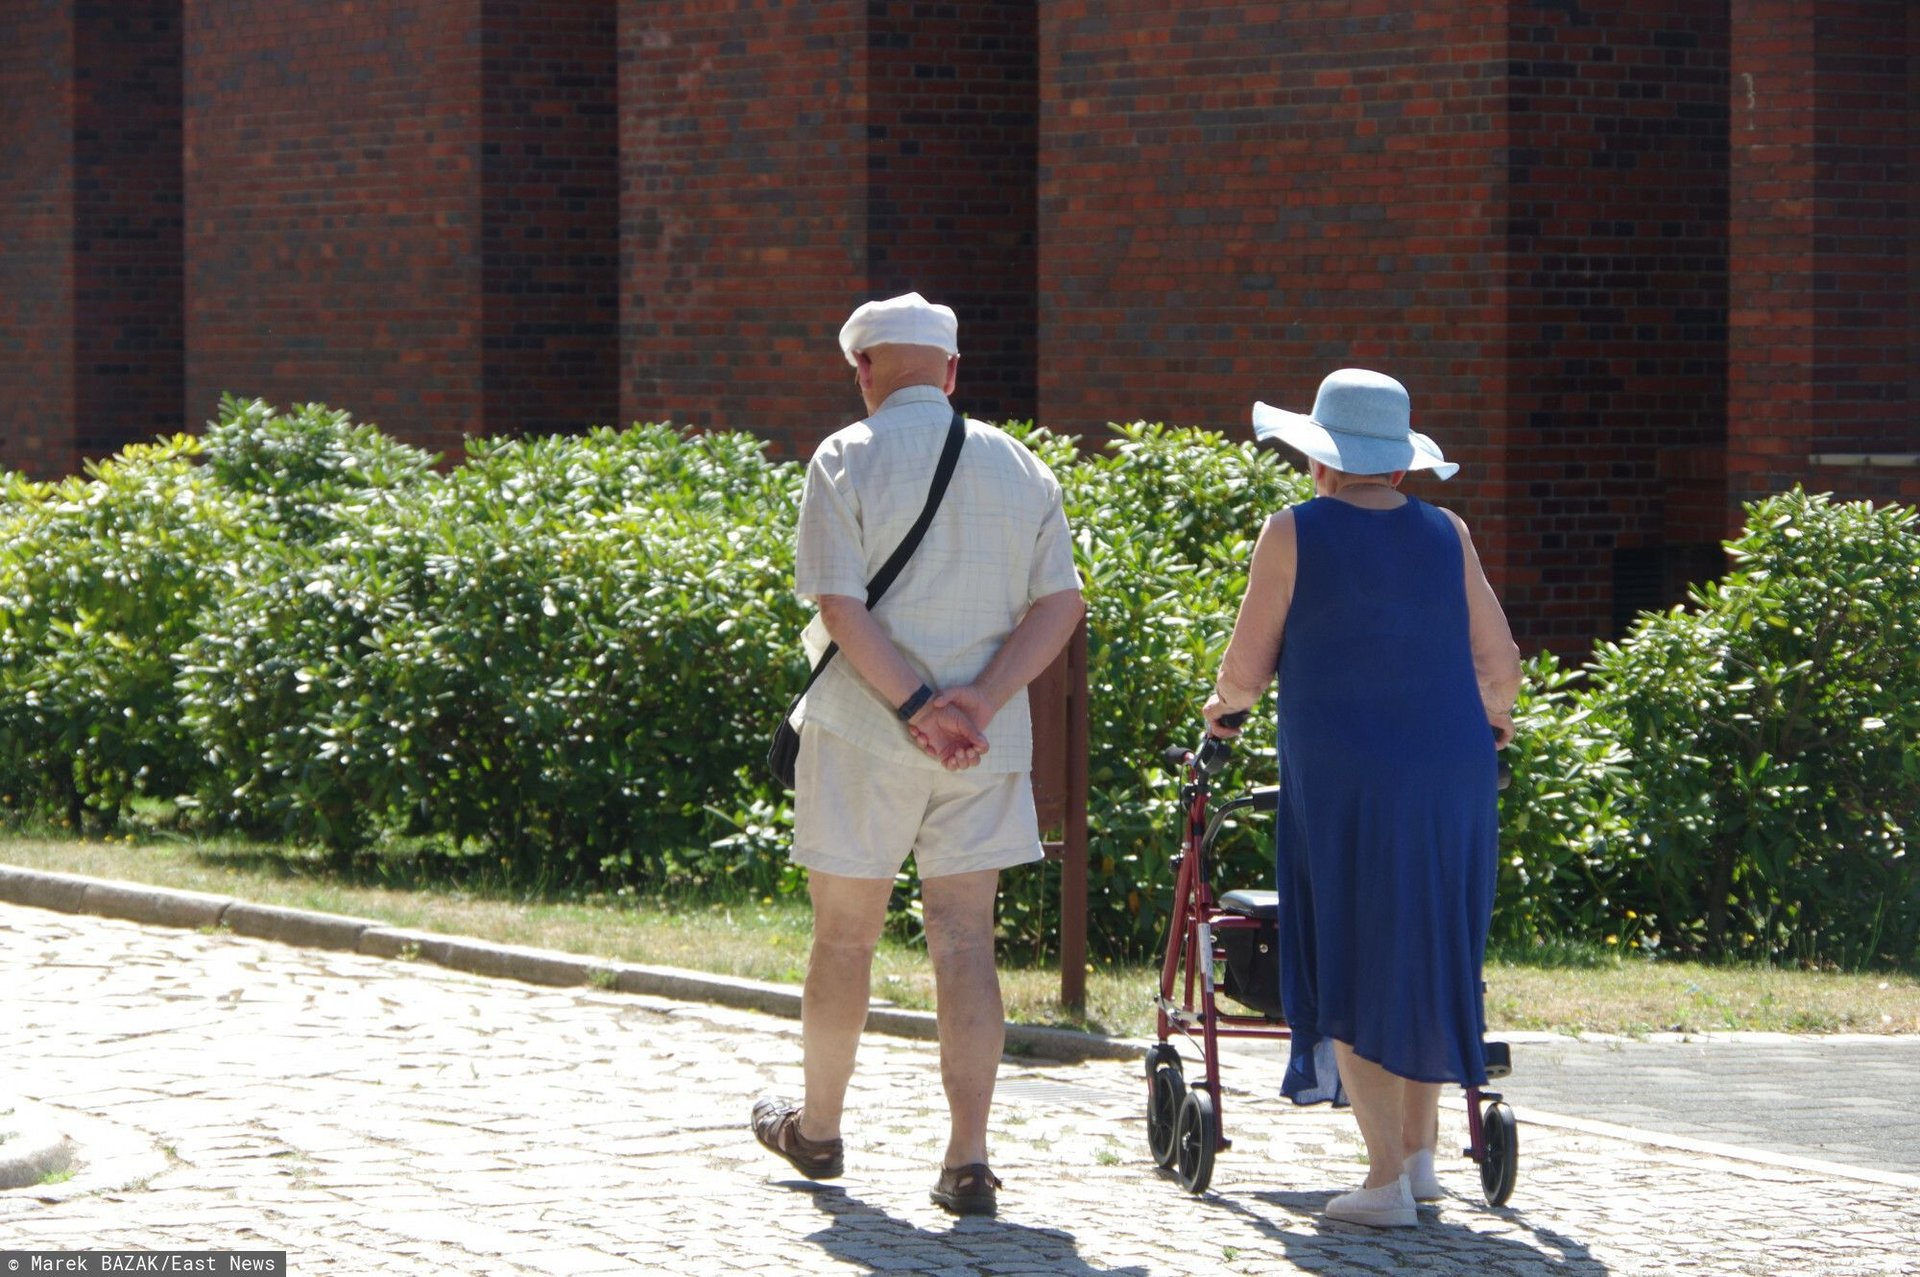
(1230,947)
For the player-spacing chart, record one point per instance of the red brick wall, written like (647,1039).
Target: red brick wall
(128,354)
(1770,235)
(1520,219)
(742,210)
(1912,236)
(1882,484)
(550,216)
(950,169)
(1636,261)
(1822,292)
(1867,244)
(1913,215)
(1239,198)
(1617,293)
(1235,200)
(36,230)
(334,212)
(408,211)
(782,163)
(1863,227)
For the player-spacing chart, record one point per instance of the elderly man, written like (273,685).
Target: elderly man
(917,739)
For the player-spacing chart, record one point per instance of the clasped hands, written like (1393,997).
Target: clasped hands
(952,727)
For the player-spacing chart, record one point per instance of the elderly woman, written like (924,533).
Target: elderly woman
(1394,657)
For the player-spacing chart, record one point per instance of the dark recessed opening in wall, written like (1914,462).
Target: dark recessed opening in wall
(1639,582)
(129,244)
(1654,578)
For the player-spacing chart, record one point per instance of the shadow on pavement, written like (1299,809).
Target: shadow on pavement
(1328,1252)
(880,1243)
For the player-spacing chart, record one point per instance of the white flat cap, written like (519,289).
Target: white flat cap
(906,320)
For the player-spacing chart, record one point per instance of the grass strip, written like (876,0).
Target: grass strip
(1562,988)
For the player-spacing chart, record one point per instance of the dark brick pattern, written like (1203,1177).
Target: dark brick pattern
(550,203)
(742,210)
(1615,241)
(951,137)
(1637,261)
(1524,220)
(333,225)
(1863,226)
(129,361)
(1823,350)
(1236,199)
(36,236)
(781,163)
(408,210)
(90,230)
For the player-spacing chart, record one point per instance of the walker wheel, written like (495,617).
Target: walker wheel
(1198,1135)
(1501,1165)
(1164,1096)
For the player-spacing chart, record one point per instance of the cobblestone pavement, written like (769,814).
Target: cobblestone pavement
(1845,1099)
(378,1116)
(1848,1100)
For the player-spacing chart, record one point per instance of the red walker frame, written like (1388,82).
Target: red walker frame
(1184,1127)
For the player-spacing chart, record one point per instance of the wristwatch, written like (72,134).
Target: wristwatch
(913,703)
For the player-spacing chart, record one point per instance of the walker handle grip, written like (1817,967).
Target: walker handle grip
(1214,751)
(1236,720)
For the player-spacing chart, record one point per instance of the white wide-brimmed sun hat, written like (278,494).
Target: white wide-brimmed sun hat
(1361,423)
(906,320)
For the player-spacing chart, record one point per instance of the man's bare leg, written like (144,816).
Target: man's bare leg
(960,914)
(848,914)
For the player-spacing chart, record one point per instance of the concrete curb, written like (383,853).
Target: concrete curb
(694,986)
(33,1149)
(140,903)
(295,926)
(37,890)
(164,906)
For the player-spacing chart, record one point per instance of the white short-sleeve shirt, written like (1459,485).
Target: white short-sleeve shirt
(998,542)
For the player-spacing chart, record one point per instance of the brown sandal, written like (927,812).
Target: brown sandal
(776,1124)
(967,1190)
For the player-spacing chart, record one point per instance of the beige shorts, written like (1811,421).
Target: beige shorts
(857,815)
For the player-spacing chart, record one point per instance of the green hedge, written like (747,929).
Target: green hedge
(1772,724)
(560,658)
(1164,522)
(551,655)
(1564,847)
(103,579)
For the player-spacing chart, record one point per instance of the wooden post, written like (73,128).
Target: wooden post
(1059,705)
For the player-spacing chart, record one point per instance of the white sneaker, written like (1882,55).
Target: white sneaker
(1420,1177)
(1388,1206)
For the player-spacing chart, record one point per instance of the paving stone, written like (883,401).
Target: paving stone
(376,1116)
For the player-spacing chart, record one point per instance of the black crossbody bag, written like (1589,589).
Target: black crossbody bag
(785,749)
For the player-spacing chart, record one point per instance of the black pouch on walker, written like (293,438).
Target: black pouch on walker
(1253,954)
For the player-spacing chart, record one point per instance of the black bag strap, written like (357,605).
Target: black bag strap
(942,474)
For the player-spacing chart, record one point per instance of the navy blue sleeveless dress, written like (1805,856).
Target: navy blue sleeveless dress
(1386,829)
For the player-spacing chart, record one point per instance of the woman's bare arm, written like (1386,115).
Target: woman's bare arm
(1496,658)
(1254,649)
